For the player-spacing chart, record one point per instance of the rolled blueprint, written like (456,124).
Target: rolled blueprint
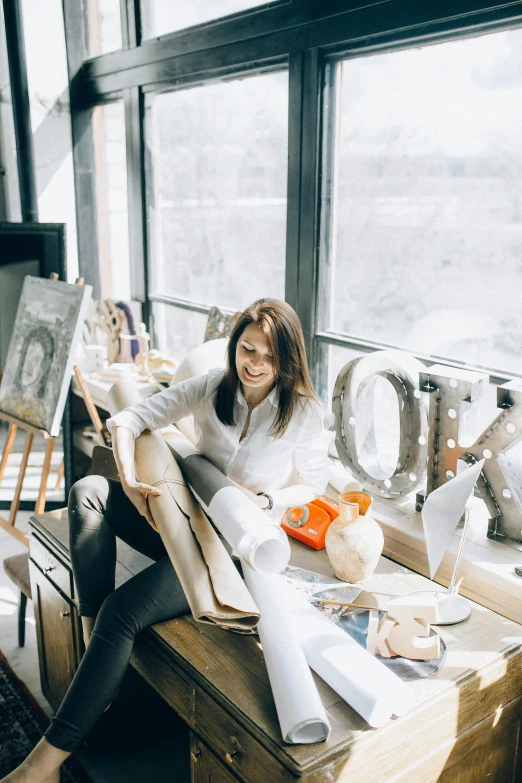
(301,714)
(244,525)
(373,691)
(213,587)
(300,710)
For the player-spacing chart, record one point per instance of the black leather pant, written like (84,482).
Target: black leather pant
(99,511)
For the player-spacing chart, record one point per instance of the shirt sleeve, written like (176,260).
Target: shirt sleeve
(311,453)
(161,409)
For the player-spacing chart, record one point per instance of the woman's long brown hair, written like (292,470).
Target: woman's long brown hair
(284,335)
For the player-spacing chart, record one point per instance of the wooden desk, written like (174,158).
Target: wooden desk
(464,727)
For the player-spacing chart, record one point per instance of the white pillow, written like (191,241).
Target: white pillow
(200,360)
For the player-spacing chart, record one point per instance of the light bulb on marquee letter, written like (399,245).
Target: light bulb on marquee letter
(402,371)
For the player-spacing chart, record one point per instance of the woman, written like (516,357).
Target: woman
(260,422)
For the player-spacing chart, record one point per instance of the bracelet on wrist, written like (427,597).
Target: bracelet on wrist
(270,500)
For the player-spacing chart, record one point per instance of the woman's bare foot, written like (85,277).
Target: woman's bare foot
(42,765)
(22,775)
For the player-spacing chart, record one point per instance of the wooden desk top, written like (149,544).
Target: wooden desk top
(218,682)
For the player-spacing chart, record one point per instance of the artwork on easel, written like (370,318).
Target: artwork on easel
(39,362)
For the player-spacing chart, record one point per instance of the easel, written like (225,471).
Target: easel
(31,431)
(14,426)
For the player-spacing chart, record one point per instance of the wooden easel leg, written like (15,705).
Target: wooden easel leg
(40,503)
(91,407)
(11,434)
(59,476)
(15,505)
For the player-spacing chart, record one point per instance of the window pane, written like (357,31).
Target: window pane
(428,217)
(167,16)
(103,26)
(217,190)
(50,118)
(176,331)
(111,200)
(10,208)
(336,357)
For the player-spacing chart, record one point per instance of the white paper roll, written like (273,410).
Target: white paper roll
(300,710)
(263,546)
(365,683)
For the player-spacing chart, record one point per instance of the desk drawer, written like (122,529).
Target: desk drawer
(165,679)
(52,568)
(234,746)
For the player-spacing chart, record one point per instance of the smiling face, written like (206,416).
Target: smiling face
(254,361)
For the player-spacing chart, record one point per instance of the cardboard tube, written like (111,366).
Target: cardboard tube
(214,589)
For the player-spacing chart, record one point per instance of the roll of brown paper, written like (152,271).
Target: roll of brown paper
(214,589)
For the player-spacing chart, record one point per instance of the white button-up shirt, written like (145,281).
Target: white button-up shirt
(260,462)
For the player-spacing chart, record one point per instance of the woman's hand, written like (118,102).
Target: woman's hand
(138,494)
(259,500)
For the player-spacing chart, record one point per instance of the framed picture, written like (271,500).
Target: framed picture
(39,362)
(26,249)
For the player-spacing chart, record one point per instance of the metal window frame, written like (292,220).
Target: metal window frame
(307,35)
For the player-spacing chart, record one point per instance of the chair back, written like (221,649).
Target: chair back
(104,464)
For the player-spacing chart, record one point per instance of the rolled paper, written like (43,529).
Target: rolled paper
(300,710)
(373,691)
(212,585)
(244,525)
(301,714)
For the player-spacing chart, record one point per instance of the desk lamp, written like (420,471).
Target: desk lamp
(441,514)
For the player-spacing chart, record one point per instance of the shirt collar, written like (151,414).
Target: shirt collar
(273,397)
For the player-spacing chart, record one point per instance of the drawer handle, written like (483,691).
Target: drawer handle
(197,755)
(230,757)
(50,568)
(63,615)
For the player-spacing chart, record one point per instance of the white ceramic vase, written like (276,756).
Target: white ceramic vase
(354,540)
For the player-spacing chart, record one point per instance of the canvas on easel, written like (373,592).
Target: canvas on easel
(41,353)
(37,374)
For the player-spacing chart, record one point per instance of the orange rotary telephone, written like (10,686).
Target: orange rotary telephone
(309,523)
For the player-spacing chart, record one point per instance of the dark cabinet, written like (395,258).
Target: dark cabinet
(205,767)
(56,617)
(57,635)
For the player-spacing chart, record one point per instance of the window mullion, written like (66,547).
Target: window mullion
(309,147)
(135,195)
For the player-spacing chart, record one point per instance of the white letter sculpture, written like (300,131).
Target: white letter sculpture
(402,371)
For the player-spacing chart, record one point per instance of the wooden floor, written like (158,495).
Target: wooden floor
(23,660)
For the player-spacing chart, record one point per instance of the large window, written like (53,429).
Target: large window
(167,16)
(422,205)
(50,118)
(10,208)
(217,191)
(177,331)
